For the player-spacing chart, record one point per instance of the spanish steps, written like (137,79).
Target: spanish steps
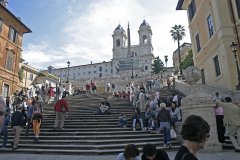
(87,133)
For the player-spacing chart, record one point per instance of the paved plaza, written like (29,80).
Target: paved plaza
(224,155)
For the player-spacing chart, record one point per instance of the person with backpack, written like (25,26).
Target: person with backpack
(60,108)
(36,120)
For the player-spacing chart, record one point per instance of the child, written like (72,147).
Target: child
(122,120)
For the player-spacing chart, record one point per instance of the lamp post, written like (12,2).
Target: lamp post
(68,64)
(132,66)
(233,47)
(166,60)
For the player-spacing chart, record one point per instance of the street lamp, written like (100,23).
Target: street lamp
(68,64)
(233,47)
(166,60)
(132,65)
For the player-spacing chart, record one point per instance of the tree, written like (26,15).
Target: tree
(21,74)
(157,65)
(188,61)
(177,33)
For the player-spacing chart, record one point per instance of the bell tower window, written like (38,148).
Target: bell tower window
(118,42)
(145,39)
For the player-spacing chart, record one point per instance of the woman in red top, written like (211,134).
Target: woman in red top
(50,94)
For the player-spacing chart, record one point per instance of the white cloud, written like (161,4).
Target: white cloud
(88,35)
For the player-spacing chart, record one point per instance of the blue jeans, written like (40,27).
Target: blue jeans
(139,120)
(122,122)
(165,127)
(4,133)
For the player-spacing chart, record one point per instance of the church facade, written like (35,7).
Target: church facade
(126,57)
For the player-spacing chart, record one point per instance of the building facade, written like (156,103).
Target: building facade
(83,72)
(184,51)
(139,57)
(214,25)
(11,36)
(125,58)
(28,74)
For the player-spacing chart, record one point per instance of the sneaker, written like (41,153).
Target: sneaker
(143,129)
(134,129)
(124,126)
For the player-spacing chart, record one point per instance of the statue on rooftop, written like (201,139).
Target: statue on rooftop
(4,2)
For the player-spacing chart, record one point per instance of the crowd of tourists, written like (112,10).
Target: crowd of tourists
(195,133)
(161,113)
(25,111)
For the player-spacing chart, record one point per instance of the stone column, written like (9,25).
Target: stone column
(203,106)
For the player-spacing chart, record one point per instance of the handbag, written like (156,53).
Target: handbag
(173,133)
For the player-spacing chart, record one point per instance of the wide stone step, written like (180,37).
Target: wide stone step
(72,137)
(72,151)
(80,147)
(85,132)
(30,141)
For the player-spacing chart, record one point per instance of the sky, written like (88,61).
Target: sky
(80,31)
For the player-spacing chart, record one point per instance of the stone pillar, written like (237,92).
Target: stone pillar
(203,106)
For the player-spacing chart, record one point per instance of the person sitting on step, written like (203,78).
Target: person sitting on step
(104,107)
(122,120)
(150,119)
(137,117)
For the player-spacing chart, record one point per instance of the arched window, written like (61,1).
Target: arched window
(145,39)
(118,42)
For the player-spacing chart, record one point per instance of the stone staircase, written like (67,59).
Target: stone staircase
(87,133)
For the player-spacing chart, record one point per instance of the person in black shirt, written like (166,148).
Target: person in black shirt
(151,153)
(195,132)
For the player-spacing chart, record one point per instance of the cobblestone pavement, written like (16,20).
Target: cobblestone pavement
(225,155)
